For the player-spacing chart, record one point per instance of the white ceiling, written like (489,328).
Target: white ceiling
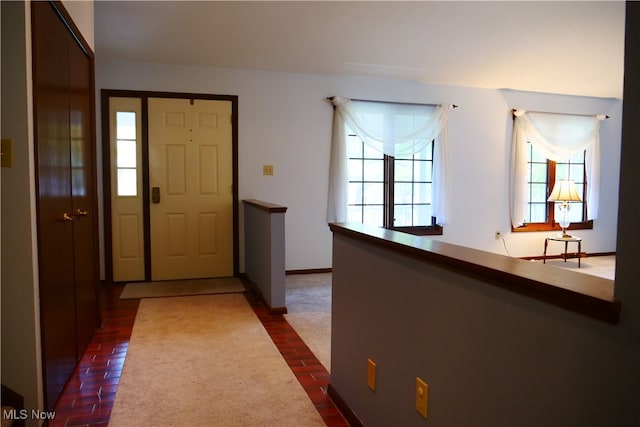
(559,47)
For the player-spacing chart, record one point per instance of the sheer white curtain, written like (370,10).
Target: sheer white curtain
(393,129)
(558,137)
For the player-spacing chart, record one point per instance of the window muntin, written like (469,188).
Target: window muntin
(126,157)
(391,192)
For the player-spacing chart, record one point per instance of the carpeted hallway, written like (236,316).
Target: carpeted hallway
(88,399)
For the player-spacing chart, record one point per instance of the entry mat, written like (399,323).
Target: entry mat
(173,288)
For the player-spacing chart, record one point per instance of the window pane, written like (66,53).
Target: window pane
(577,173)
(374,170)
(575,212)
(538,172)
(403,216)
(403,193)
(538,212)
(422,192)
(536,156)
(127,182)
(373,215)
(355,170)
(425,153)
(354,214)
(126,154)
(403,170)
(354,146)
(562,171)
(125,125)
(373,193)
(422,171)
(578,157)
(355,193)
(422,215)
(581,188)
(370,153)
(538,193)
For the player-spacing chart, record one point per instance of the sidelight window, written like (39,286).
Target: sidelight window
(126,158)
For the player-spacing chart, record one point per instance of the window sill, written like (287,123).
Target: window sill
(540,226)
(588,295)
(435,230)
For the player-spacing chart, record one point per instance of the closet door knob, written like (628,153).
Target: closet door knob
(66,218)
(80,213)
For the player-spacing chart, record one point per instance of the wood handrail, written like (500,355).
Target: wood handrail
(265,206)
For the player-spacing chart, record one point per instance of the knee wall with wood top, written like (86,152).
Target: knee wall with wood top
(499,341)
(264,242)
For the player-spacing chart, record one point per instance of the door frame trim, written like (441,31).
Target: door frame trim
(105,94)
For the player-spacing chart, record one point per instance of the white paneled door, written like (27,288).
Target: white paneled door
(127,211)
(191,194)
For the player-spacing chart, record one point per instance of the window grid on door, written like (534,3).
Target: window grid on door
(126,158)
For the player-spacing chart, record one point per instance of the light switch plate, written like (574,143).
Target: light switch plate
(371,374)
(422,396)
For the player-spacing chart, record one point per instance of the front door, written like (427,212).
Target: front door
(191,188)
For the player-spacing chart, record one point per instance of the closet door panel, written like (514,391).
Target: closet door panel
(55,234)
(83,195)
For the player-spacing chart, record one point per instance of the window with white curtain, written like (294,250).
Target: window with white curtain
(547,147)
(391,192)
(542,175)
(389,165)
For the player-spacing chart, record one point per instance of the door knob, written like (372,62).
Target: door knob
(80,213)
(67,218)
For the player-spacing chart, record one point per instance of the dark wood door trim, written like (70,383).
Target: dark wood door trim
(105,94)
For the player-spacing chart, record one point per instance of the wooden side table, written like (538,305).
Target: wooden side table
(566,240)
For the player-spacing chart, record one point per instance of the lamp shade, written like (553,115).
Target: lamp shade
(564,191)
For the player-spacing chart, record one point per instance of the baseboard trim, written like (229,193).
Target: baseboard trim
(255,293)
(560,256)
(342,406)
(310,271)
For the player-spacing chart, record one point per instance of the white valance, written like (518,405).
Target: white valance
(557,137)
(394,129)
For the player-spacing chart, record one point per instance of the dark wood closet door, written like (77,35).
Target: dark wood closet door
(55,235)
(66,248)
(83,195)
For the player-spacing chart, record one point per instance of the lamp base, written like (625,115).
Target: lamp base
(565,235)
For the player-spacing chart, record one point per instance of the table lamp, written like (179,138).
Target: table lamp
(564,191)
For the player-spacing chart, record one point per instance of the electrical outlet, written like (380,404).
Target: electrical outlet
(498,235)
(422,396)
(371,374)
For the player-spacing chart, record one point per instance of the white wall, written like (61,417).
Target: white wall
(81,12)
(21,358)
(284,120)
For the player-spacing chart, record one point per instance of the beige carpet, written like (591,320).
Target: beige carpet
(206,361)
(172,288)
(308,301)
(602,266)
